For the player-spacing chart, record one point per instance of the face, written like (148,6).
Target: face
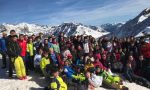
(88,75)
(50,40)
(12,33)
(33,37)
(98,69)
(131,58)
(56,74)
(30,39)
(104,57)
(79,47)
(54,40)
(25,37)
(40,51)
(46,54)
(15,39)
(4,35)
(141,58)
(120,50)
(66,63)
(61,34)
(82,57)
(21,38)
(46,41)
(51,51)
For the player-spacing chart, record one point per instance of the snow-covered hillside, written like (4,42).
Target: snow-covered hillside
(135,26)
(144,32)
(68,29)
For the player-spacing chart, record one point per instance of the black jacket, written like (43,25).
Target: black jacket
(14,49)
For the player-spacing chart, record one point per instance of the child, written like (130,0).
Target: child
(109,80)
(30,51)
(88,64)
(94,81)
(68,70)
(55,46)
(37,59)
(45,61)
(56,82)
(70,73)
(53,57)
(80,61)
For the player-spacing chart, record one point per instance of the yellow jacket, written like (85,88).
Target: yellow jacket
(44,61)
(30,49)
(88,66)
(57,84)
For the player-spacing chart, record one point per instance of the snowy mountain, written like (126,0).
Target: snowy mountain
(135,26)
(112,28)
(68,29)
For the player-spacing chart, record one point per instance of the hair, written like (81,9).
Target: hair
(21,35)
(12,31)
(46,50)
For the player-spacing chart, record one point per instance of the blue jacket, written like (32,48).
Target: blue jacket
(54,58)
(79,62)
(3,47)
(49,45)
(68,71)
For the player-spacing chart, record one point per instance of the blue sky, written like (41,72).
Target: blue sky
(94,12)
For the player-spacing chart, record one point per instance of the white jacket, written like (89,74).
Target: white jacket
(37,59)
(86,47)
(95,80)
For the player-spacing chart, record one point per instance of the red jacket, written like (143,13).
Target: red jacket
(100,65)
(117,56)
(23,46)
(145,50)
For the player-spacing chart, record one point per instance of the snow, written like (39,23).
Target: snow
(87,31)
(68,29)
(145,15)
(144,32)
(36,82)
(142,18)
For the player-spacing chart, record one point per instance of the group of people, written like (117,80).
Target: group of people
(81,59)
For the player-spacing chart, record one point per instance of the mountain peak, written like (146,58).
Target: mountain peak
(68,29)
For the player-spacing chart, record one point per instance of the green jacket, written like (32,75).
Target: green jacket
(56,48)
(109,78)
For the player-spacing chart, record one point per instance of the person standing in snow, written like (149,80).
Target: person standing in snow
(3,49)
(8,41)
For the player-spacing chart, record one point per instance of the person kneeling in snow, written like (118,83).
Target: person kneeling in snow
(56,82)
(45,61)
(37,59)
(70,73)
